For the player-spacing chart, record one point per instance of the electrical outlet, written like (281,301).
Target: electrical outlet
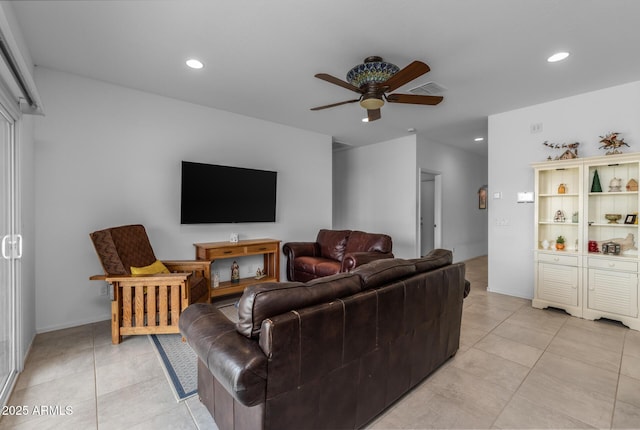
(536,128)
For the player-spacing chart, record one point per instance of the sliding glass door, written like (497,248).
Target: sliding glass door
(11,252)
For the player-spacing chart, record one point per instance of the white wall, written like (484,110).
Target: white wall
(107,155)
(464,226)
(512,147)
(375,190)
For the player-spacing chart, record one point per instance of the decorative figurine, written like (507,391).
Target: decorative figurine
(569,154)
(260,273)
(559,217)
(595,186)
(632,185)
(611,143)
(545,244)
(615,185)
(235,273)
(575,217)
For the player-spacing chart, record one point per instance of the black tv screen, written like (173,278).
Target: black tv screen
(223,194)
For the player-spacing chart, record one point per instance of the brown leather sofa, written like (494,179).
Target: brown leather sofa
(334,251)
(329,354)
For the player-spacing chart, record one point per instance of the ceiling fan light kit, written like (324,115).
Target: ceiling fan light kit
(373,70)
(373,79)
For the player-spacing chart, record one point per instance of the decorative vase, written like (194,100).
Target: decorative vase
(559,246)
(545,244)
(562,189)
(595,186)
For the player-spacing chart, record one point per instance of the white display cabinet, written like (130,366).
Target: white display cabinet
(611,288)
(558,205)
(596,274)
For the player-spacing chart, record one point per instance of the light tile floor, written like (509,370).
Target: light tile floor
(517,367)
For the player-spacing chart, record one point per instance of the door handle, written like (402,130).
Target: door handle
(13,251)
(5,240)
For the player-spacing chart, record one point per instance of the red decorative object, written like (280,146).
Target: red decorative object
(593,246)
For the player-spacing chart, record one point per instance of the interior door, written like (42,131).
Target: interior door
(10,253)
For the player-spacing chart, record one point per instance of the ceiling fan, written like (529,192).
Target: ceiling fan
(373,79)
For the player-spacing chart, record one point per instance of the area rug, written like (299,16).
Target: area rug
(179,361)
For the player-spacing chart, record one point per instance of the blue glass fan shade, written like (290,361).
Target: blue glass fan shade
(371,72)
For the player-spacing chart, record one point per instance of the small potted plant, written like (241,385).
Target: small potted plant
(560,242)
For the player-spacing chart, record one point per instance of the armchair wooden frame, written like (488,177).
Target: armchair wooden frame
(134,296)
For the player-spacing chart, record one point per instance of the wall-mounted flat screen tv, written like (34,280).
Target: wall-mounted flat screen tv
(223,194)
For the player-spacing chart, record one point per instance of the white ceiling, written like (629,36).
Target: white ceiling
(261,56)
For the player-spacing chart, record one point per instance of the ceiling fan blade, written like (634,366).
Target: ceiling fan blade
(335,104)
(408,74)
(338,82)
(373,114)
(414,99)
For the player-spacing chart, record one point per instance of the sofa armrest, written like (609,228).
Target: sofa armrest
(235,361)
(355,259)
(299,249)
(294,250)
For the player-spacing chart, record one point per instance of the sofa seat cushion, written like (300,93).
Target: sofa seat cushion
(262,301)
(316,266)
(383,272)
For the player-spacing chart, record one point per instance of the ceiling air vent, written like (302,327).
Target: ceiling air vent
(428,89)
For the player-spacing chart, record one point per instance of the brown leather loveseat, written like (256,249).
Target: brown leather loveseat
(332,353)
(334,251)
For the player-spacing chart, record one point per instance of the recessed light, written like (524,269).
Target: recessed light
(194,64)
(558,56)
(478,139)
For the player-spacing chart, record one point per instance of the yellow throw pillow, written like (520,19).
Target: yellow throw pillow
(152,269)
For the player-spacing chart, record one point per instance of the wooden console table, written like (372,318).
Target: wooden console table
(269,248)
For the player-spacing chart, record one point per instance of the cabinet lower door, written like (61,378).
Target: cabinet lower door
(558,284)
(613,292)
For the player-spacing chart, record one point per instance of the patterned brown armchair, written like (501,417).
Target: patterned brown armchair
(146,303)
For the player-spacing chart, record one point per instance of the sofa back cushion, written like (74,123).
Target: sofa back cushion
(359,241)
(434,259)
(262,301)
(384,271)
(333,243)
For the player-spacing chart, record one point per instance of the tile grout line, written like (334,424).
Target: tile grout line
(95,375)
(615,397)
(493,424)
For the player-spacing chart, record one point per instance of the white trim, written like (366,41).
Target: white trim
(22,85)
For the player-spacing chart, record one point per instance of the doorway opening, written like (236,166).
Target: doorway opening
(430,211)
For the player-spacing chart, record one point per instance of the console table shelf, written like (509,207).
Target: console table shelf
(269,248)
